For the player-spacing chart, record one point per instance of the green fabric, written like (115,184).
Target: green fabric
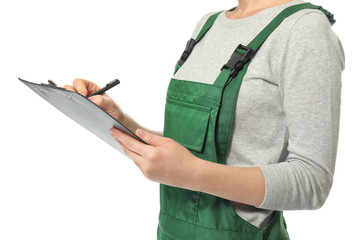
(263,35)
(231,91)
(208,24)
(200,116)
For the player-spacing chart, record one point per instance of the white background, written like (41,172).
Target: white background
(58,181)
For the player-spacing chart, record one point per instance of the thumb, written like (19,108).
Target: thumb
(101,101)
(149,138)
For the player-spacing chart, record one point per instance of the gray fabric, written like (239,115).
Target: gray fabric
(287,114)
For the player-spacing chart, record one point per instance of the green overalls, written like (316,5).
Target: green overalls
(200,116)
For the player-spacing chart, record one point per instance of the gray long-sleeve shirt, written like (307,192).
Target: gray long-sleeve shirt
(288,107)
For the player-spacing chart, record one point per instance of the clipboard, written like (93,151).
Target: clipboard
(81,110)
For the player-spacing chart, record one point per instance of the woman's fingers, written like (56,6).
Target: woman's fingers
(107,104)
(70,88)
(130,143)
(85,87)
(102,101)
(80,86)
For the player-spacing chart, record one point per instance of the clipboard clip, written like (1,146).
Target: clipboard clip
(52,84)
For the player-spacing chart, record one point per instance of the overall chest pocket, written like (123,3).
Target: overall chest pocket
(186,123)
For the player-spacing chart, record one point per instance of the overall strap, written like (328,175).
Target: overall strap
(208,24)
(243,54)
(263,35)
(234,70)
(192,42)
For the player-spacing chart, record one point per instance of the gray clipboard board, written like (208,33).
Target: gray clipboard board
(82,111)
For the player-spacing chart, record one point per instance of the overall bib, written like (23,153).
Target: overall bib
(200,116)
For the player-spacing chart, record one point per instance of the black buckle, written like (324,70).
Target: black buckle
(188,49)
(238,60)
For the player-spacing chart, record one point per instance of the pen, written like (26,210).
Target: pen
(104,89)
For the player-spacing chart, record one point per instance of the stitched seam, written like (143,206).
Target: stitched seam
(225,230)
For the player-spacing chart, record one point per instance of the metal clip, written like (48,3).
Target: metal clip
(52,84)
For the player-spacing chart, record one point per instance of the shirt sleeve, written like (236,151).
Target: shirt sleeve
(309,78)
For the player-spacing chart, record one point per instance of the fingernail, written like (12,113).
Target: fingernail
(140,132)
(91,98)
(83,92)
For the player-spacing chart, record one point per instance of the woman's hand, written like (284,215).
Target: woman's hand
(163,160)
(86,88)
